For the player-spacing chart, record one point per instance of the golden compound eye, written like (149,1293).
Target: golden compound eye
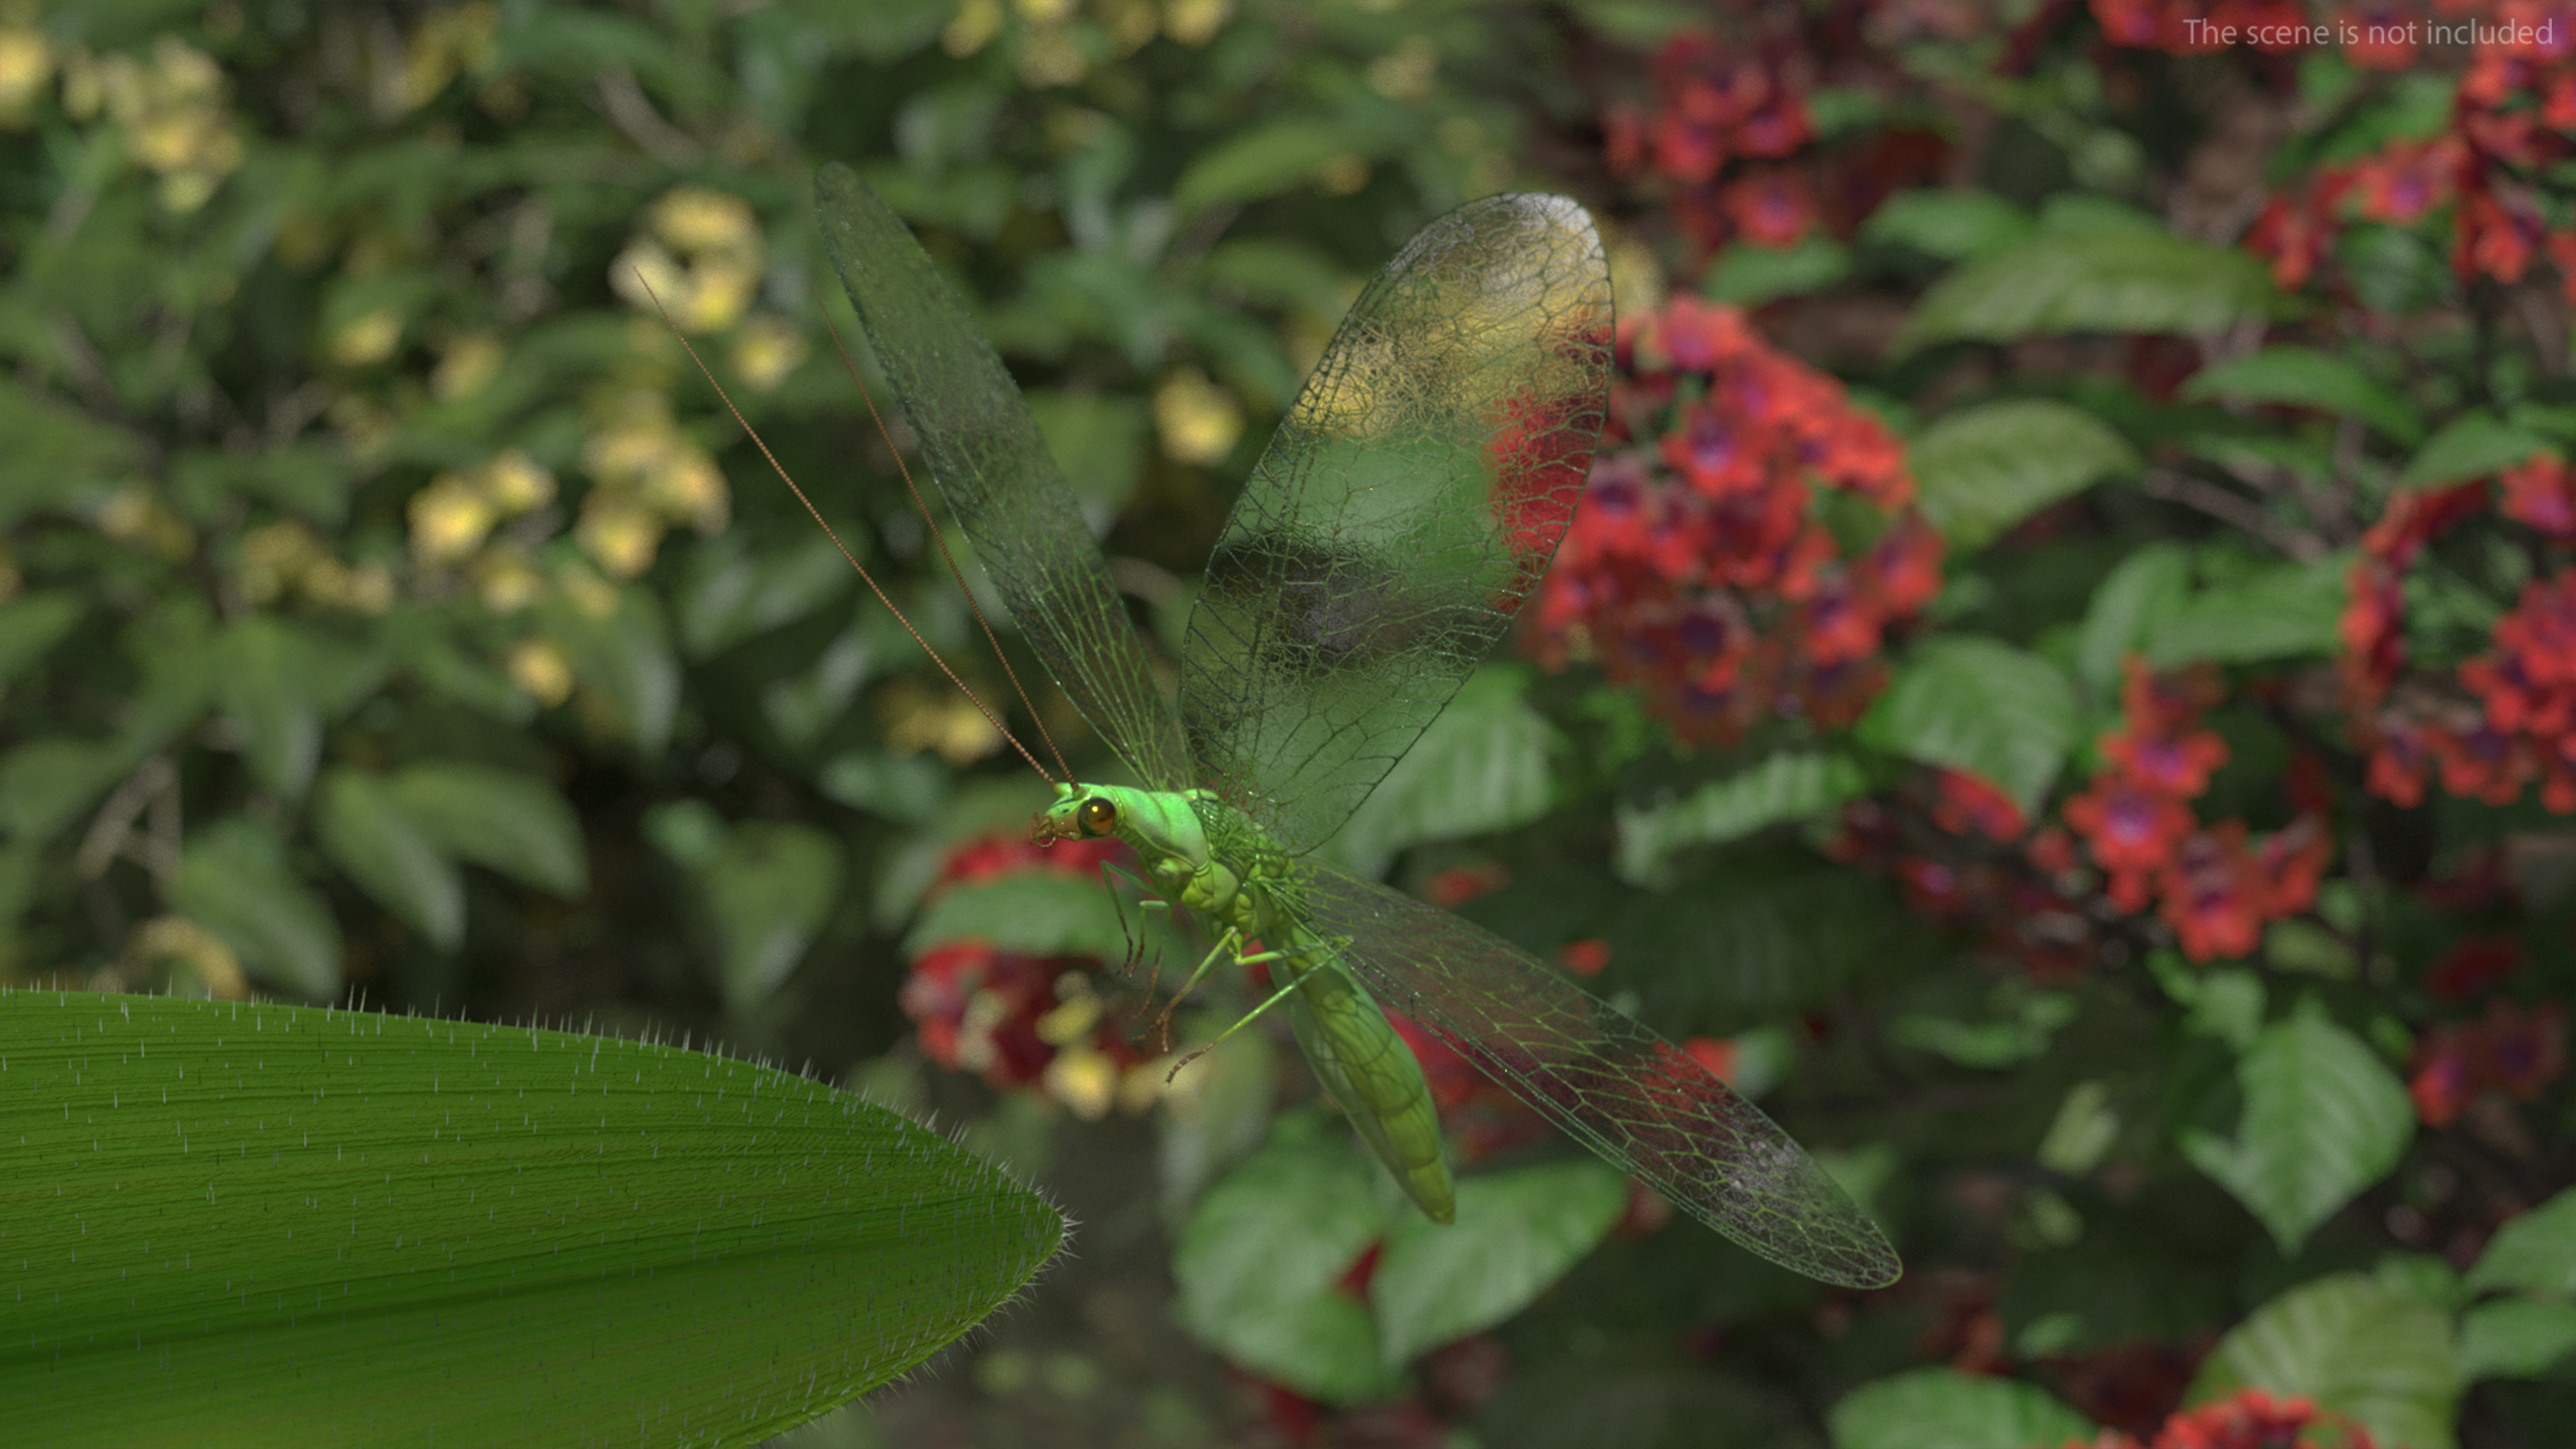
(1098,816)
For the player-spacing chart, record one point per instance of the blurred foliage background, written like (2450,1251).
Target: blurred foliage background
(390,613)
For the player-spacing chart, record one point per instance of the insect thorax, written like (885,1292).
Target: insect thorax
(1273,892)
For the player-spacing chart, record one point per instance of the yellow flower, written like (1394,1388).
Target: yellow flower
(366,589)
(1406,73)
(646,274)
(1195,22)
(449,519)
(172,116)
(274,558)
(541,671)
(720,291)
(134,517)
(767,349)
(515,482)
(977,22)
(1050,55)
(940,720)
(1145,1084)
(469,364)
(508,582)
(698,219)
(689,486)
(26,64)
(618,532)
(1084,1080)
(447,43)
(1199,421)
(586,591)
(367,339)
(185,944)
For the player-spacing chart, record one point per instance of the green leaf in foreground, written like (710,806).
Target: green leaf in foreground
(2306,377)
(1979,705)
(1984,469)
(2094,281)
(1260,1260)
(2536,1251)
(2354,1346)
(231,1217)
(2323,1119)
(2469,446)
(2280,612)
(1946,1409)
(1517,1233)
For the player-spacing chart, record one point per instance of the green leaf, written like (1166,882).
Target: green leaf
(2285,611)
(1259,1261)
(1217,1110)
(2353,1346)
(1517,1233)
(1983,706)
(2305,377)
(2109,280)
(625,658)
(1099,441)
(2515,1338)
(233,880)
(1748,939)
(1265,160)
(1481,766)
(1982,470)
(367,833)
(2323,1119)
(769,893)
(733,593)
(2472,445)
(1951,225)
(1773,790)
(515,1236)
(2536,1251)
(278,681)
(1942,1408)
(46,782)
(56,453)
(500,819)
(1042,914)
(33,624)
(1749,275)
(2146,588)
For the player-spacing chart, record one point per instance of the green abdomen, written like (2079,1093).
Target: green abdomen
(1371,1073)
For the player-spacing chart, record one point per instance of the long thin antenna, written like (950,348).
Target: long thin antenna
(817,515)
(937,537)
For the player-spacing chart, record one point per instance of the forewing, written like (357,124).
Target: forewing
(1405,508)
(1628,1094)
(1003,484)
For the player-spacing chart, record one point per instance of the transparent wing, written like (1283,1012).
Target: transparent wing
(1404,509)
(999,478)
(1621,1090)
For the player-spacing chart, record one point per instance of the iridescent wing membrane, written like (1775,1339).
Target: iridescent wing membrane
(1607,1081)
(1405,507)
(994,468)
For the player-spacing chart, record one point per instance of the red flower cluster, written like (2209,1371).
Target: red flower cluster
(1724,120)
(2512,720)
(2020,904)
(1697,567)
(2513,115)
(2514,1050)
(2182,27)
(2211,886)
(1020,1020)
(2247,1419)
